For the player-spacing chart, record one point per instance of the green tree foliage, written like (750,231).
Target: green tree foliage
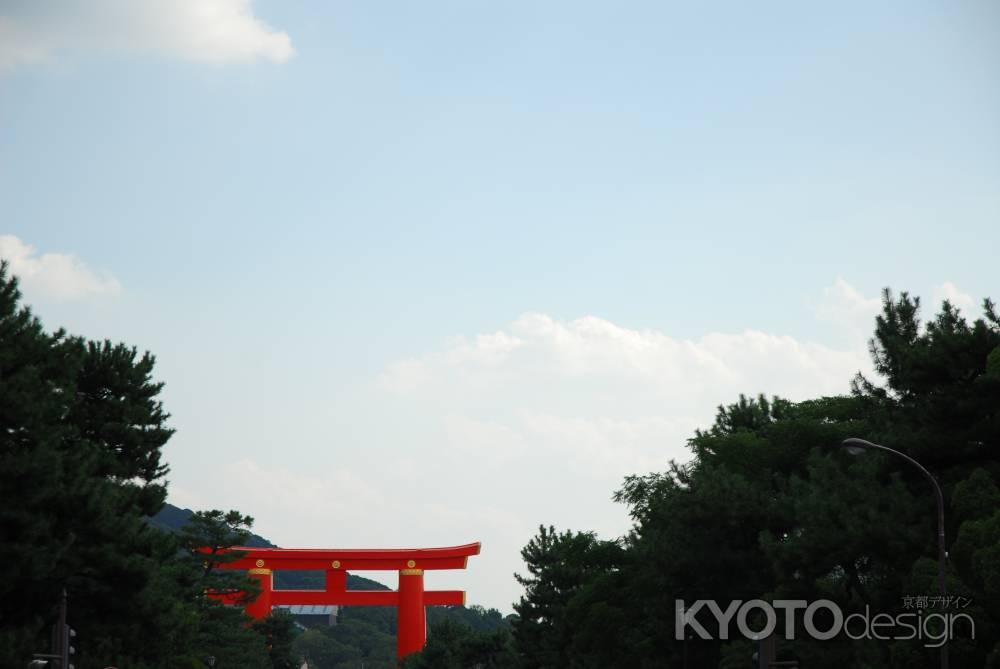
(324,650)
(453,645)
(367,634)
(81,433)
(563,569)
(278,631)
(36,471)
(941,399)
(79,474)
(206,540)
(362,635)
(475,617)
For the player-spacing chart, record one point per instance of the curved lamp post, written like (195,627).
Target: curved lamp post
(856,447)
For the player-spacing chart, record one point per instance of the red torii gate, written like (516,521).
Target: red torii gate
(410,599)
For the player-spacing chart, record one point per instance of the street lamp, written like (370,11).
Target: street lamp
(856,446)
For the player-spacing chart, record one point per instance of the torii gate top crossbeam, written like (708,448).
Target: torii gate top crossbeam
(354,559)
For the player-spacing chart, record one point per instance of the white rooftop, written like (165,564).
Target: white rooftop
(308,609)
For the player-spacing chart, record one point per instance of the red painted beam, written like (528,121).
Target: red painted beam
(444,598)
(275,562)
(464,550)
(380,555)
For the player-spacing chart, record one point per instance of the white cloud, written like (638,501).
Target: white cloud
(54,275)
(484,351)
(597,400)
(948,291)
(844,307)
(600,447)
(604,399)
(542,357)
(207,31)
(487,349)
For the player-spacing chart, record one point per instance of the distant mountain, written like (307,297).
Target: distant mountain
(172,518)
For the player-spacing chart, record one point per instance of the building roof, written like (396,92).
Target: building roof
(308,609)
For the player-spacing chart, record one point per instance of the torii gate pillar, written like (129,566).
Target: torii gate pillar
(411,630)
(260,607)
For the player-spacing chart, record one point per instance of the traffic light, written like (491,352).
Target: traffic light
(63,649)
(62,640)
(67,648)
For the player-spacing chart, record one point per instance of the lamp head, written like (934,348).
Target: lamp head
(856,446)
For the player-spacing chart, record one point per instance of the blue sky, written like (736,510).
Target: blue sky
(444,271)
